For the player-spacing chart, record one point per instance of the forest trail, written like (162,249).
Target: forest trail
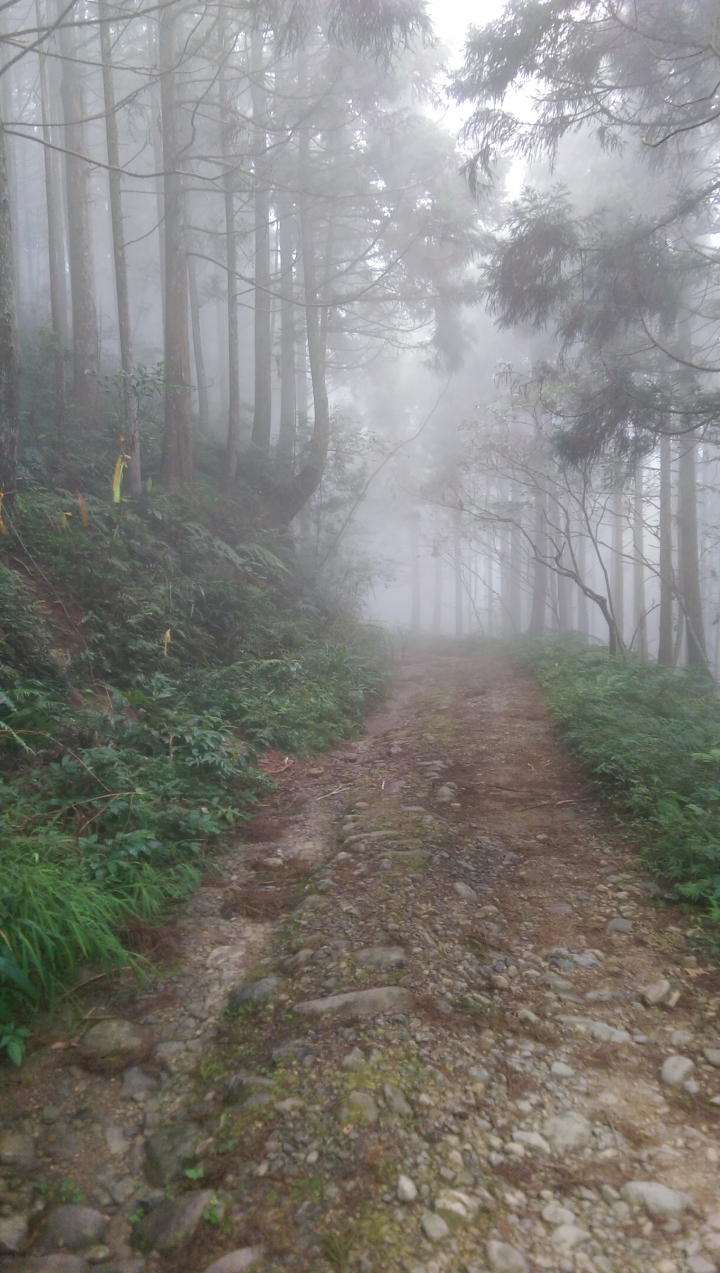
(437,1057)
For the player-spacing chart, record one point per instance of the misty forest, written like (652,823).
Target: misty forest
(359,636)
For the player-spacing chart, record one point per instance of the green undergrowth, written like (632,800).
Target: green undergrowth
(650,737)
(148,652)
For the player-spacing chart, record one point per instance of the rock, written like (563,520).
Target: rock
(504,1258)
(396,1102)
(559,984)
(619,925)
(171,1224)
(254,993)
(97,1254)
(72,1228)
(554,1214)
(675,1070)
(122,1190)
(113,1039)
(137,1085)
(526,1017)
(568,1236)
(464,891)
(588,959)
(359,1107)
(168,1152)
(381,957)
(568,1132)
(682,1038)
(606,1033)
(455,1207)
(655,994)
(406,1189)
(13,1233)
(170,1051)
(560,1070)
(712,1056)
(354,1060)
(434,1227)
(657,1199)
(58,1263)
(115,1140)
(698,1264)
(533,1140)
(237,1261)
(358,1003)
(17,1150)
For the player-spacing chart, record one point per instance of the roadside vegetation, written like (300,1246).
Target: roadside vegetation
(650,738)
(149,650)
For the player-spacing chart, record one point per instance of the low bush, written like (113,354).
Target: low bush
(650,737)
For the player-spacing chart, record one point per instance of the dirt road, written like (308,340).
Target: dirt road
(437,1020)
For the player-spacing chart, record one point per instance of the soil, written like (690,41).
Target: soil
(460,844)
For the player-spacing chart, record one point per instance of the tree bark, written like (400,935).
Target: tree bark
(56,243)
(665,637)
(639,607)
(415,615)
(198,354)
(232,445)
(457,563)
(618,571)
(176,464)
(688,560)
(82,287)
(536,626)
(582,605)
(437,596)
(9,369)
(285,453)
(134,472)
(262,414)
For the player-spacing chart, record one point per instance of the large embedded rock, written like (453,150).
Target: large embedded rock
(237,1261)
(254,994)
(13,1233)
(72,1228)
(568,1132)
(396,1102)
(113,1039)
(381,957)
(504,1258)
(359,1107)
(58,1263)
(357,1003)
(171,1224)
(455,1207)
(168,1152)
(657,1199)
(17,1151)
(675,1070)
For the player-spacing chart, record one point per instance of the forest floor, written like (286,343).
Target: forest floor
(403,1027)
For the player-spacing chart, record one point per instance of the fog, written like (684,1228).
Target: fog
(447,322)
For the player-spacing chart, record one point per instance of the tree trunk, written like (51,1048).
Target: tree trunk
(232,445)
(457,563)
(689,567)
(56,243)
(9,398)
(618,571)
(262,415)
(82,288)
(536,626)
(134,473)
(665,639)
(581,554)
(639,608)
(285,453)
(437,597)
(415,616)
(198,355)
(176,464)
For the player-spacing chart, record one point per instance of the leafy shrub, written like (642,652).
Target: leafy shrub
(650,737)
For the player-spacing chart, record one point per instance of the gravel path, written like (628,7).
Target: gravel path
(439,1023)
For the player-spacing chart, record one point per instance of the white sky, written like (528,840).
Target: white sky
(451,19)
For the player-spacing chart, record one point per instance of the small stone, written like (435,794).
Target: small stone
(682,1038)
(113,1039)
(533,1140)
(560,1070)
(712,1056)
(137,1085)
(526,1017)
(237,1261)
(560,985)
(568,1236)
(13,1233)
(255,993)
(406,1189)
(698,1264)
(50,1114)
(72,1228)
(17,1150)
(168,1152)
(122,1191)
(171,1224)
(568,1132)
(504,1258)
(58,1263)
(499,981)
(97,1254)
(675,1070)
(396,1102)
(464,891)
(657,1199)
(554,1214)
(654,994)
(354,1060)
(359,1108)
(434,1227)
(358,1003)
(619,925)
(455,1206)
(115,1141)
(381,957)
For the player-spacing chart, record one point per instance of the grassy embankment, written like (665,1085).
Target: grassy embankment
(146,651)
(650,738)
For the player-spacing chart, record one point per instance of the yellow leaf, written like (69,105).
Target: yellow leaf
(3,529)
(120,465)
(83,510)
(64,520)
(166,641)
